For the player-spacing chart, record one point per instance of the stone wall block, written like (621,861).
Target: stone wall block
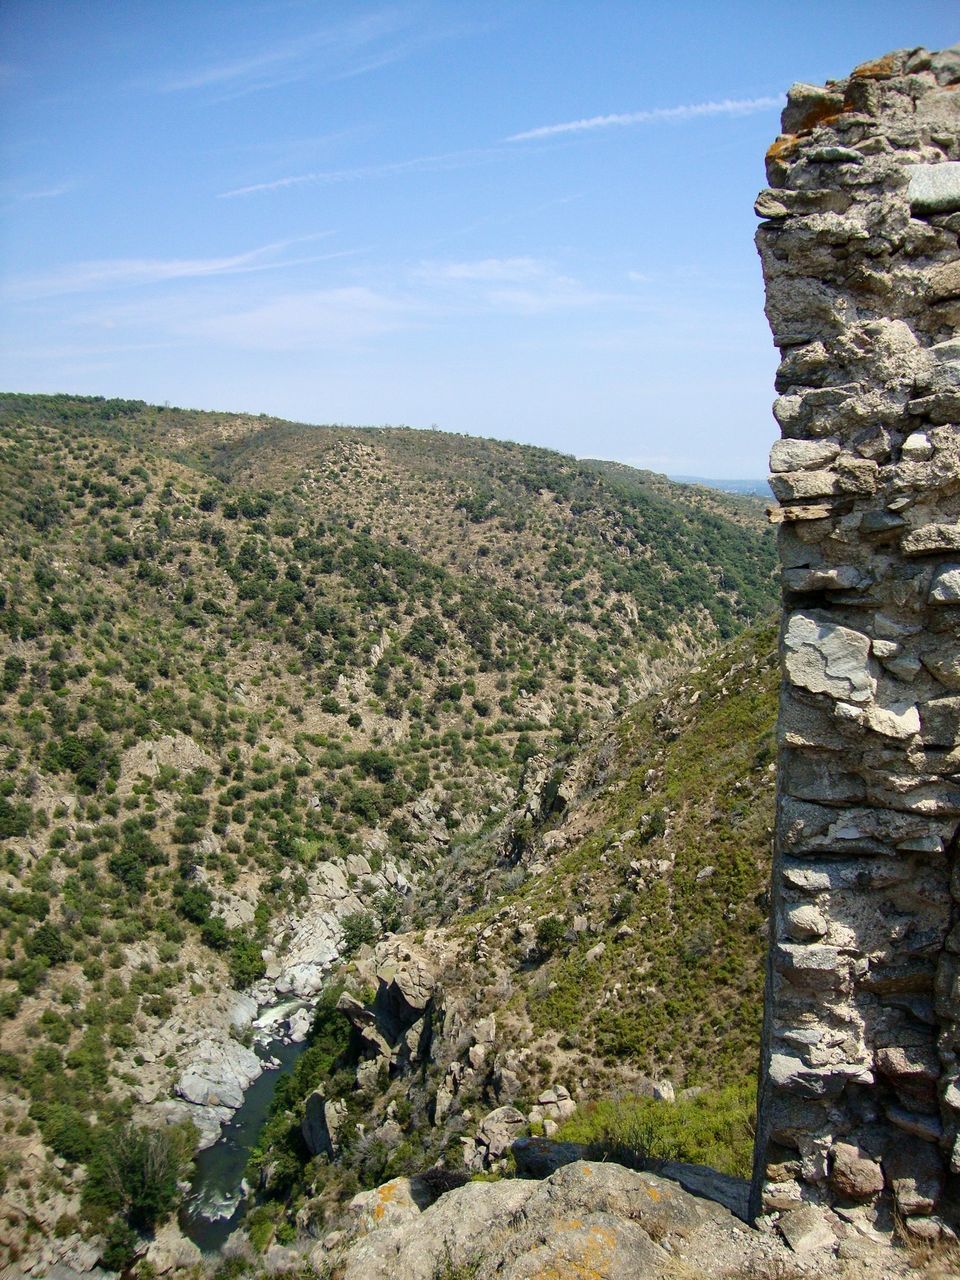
(860,1080)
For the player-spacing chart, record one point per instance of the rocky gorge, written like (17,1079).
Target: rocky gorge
(214,1037)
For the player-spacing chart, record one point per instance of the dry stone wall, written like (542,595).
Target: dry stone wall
(860,1080)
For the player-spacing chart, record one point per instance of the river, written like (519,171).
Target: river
(216,1201)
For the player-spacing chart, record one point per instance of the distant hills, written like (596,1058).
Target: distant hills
(760,488)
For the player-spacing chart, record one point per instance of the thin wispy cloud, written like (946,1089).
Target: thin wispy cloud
(330,177)
(299,56)
(486,155)
(304,321)
(655,115)
(485,270)
(23,189)
(49,193)
(115,273)
(346,310)
(226,72)
(339,52)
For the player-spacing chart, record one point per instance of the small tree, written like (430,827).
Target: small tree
(136,1171)
(48,942)
(550,932)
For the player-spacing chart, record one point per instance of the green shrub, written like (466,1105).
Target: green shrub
(14,818)
(120,1245)
(245,961)
(214,934)
(359,928)
(66,1131)
(47,943)
(550,932)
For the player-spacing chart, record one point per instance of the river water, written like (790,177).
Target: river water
(216,1202)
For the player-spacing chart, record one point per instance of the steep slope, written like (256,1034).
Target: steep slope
(620,952)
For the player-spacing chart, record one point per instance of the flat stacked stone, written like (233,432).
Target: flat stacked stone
(860,1080)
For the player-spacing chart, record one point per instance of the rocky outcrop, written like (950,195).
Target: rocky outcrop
(394,1028)
(170,1250)
(598,1221)
(211,1035)
(493,1139)
(322,1121)
(585,1219)
(218,1074)
(394,1202)
(310,941)
(860,1099)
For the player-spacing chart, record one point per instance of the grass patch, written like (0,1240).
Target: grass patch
(716,1128)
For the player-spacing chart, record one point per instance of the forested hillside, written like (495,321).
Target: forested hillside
(235,650)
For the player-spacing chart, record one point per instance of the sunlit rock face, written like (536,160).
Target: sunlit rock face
(860,1097)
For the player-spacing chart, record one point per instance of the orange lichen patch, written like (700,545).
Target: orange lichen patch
(586,1171)
(574,1270)
(385,1194)
(653,1193)
(823,113)
(590,1262)
(879,69)
(781,146)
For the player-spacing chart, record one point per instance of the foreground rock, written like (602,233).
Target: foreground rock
(592,1221)
(170,1250)
(585,1219)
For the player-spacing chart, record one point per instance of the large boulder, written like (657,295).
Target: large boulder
(596,1244)
(170,1250)
(660,1206)
(494,1138)
(405,986)
(553,1104)
(458,1229)
(207,1120)
(396,1201)
(218,1074)
(587,1219)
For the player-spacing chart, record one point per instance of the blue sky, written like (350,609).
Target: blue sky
(530,220)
